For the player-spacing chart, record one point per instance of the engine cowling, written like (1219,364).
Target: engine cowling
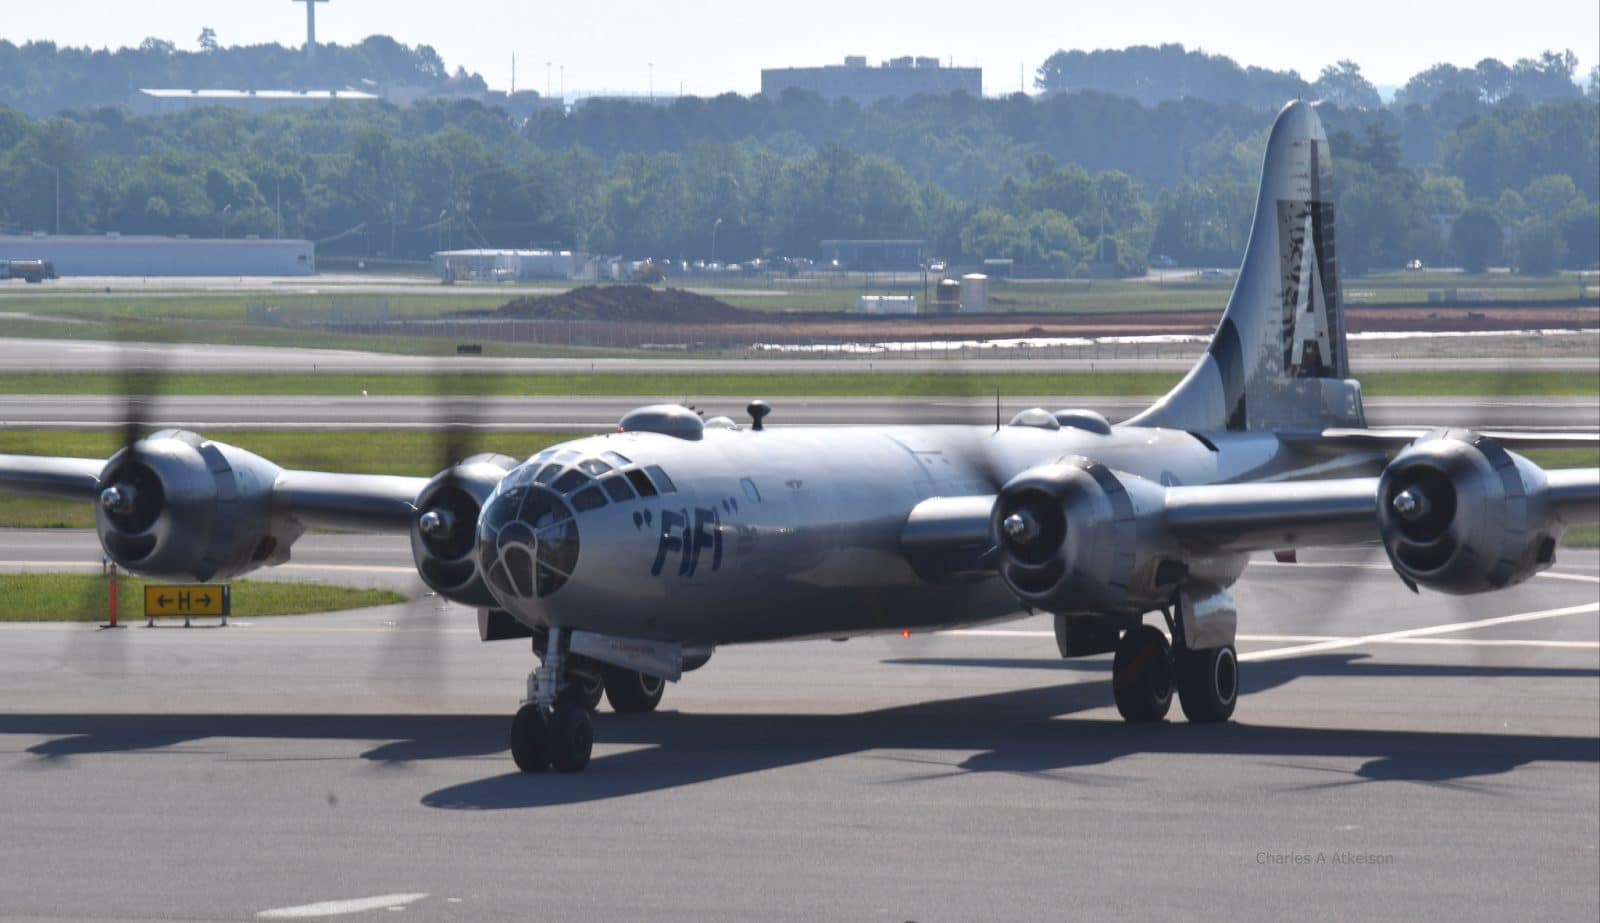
(1076,537)
(177,505)
(1460,514)
(444,533)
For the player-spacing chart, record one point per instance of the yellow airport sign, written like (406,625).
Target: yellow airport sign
(185,600)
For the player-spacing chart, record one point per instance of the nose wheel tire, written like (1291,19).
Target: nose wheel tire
(562,741)
(1208,683)
(571,738)
(629,691)
(1142,675)
(530,739)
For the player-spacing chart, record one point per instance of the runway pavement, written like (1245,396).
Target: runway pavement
(1393,756)
(47,355)
(593,414)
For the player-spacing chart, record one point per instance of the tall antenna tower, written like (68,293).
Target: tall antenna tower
(311,24)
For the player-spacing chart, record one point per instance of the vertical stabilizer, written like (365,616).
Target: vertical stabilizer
(1278,361)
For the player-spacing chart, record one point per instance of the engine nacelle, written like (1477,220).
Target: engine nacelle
(1460,514)
(444,533)
(1076,537)
(177,505)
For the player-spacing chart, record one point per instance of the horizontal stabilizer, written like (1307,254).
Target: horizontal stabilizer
(1339,440)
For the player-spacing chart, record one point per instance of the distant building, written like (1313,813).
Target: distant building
(486,265)
(115,255)
(170,100)
(898,77)
(590,99)
(872,255)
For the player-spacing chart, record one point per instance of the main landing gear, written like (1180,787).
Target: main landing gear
(552,729)
(1147,670)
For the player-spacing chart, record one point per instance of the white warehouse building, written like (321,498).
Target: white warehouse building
(514,265)
(116,255)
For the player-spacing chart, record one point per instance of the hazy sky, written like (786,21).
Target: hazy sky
(712,46)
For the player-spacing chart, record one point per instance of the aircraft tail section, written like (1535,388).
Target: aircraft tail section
(1277,360)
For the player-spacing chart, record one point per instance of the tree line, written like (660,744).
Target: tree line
(1069,182)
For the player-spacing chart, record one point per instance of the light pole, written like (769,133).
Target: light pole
(714,225)
(58,190)
(225,209)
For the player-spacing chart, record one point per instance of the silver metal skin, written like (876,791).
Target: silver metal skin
(435,523)
(177,504)
(1020,527)
(444,518)
(1460,514)
(646,548)
(1411,504)
(1278,360)
(117,498)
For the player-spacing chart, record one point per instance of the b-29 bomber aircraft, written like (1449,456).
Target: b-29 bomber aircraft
(629,557)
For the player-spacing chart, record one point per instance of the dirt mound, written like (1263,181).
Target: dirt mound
(632,303)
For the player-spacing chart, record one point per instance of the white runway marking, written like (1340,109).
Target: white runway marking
(1364,565)
(337,908)
(1313,644)
(1406,635)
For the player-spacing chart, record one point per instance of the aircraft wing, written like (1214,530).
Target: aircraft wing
(1273,516)
(67,478)
(354,502)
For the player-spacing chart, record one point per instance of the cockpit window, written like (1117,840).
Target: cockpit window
(547,474)
(663,483)
(617,487)
(527,543)
(589,498)
(566,455)
(570,481)
(616,459)
(641,483)
(750,492)
(594,466)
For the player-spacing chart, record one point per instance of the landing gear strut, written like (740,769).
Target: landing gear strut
(1147,670)
(551,731)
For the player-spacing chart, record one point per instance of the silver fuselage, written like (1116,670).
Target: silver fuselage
(796,531)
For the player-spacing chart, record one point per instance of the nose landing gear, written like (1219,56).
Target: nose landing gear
(552,731)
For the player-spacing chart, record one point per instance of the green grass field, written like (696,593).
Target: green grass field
(858,384)
(83,598)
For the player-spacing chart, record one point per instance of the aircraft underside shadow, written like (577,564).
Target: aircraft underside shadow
(1019,731)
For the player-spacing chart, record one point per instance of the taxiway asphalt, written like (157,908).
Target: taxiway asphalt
(62,356)
(349,763)
(597,414)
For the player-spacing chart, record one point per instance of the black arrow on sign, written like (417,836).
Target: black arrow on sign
(205,600)
(162,600)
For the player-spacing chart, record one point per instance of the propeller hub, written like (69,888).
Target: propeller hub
(1020,527)
(1411,503)
(436,523)
(118,499)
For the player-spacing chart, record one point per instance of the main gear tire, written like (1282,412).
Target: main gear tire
(1142,675)
(631,692)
